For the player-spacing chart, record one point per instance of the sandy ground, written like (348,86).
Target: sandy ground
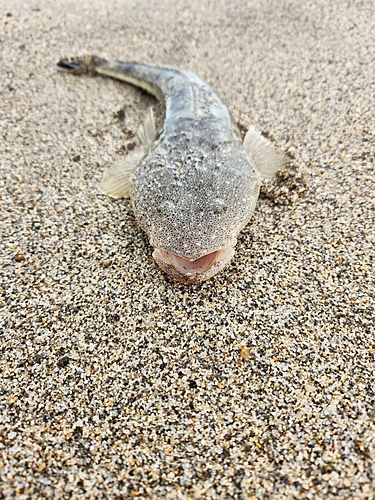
(117,382)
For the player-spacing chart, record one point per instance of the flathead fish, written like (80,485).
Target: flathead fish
(193,184)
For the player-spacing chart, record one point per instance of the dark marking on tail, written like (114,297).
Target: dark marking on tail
(67,65)
(79,65)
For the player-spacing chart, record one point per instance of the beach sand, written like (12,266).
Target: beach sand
(116,381)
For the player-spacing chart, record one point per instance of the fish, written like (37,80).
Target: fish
(193,183)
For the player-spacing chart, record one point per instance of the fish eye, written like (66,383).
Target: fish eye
(219,206)
(165,209)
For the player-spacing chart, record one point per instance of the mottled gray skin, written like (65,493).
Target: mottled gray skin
(193,198)
(197,188)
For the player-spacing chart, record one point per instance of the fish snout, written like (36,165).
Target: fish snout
(192,270)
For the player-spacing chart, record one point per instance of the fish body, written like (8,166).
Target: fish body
(193,184)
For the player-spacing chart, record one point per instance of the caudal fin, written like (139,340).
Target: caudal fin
(79,65)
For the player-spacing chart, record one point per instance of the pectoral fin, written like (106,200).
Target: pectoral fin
(117,177)
(267,159)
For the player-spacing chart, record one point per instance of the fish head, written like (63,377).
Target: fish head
(193,205)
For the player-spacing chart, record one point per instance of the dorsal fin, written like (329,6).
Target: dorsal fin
(147,131)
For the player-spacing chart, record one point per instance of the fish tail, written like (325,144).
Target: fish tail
(79,65)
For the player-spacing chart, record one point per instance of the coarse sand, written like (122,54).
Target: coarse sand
(116,381)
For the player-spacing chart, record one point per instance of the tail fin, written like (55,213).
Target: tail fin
(79,65)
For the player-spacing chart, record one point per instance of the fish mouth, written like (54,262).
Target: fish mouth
(192,270)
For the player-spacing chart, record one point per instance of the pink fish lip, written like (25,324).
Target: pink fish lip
(192,270)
